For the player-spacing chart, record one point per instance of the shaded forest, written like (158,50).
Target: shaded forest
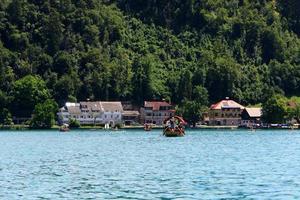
(186,51)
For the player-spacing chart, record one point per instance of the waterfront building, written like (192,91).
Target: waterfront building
(131,114)
(251,117)
(155,112)
(130,117)
(69,111)
(98,112)
(225,113)
(112,112)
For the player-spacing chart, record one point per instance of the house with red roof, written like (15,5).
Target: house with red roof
(155,112)
(225,113)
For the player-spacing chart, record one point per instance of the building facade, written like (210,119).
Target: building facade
(251,117)
(131,114)
(225,113)
(155,112)
(98,113)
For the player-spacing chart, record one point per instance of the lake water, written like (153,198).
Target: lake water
(146,165)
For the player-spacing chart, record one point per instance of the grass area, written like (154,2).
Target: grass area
(14,127)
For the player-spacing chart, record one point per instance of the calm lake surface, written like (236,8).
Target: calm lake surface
(141,165)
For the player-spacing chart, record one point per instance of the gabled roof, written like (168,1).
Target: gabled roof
(226,104)
(73,108)
(91,106)
(155,105)
(254,112)
(111,106)
(131,113)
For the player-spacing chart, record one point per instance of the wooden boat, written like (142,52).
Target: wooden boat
(174,127)
(147,127)
(64,128)
(177,132)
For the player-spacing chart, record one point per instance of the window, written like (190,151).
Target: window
(104,116)
(216,114)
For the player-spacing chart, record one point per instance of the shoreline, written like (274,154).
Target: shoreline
(201,127)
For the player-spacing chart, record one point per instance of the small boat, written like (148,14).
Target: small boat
(147,127)
(174,127)
(64,128)
(177,132)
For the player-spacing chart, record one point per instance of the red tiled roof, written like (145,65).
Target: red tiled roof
(226,104)
(155,105)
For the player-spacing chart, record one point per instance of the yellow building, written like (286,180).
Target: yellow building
(225,113)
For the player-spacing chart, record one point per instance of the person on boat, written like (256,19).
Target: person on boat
(168,124)
(172,123)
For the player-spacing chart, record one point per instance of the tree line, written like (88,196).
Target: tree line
(191,52)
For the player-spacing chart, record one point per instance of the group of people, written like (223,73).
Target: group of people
(173,124)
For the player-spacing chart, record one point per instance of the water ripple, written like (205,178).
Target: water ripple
(140,165)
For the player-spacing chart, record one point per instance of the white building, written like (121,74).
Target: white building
(112,112)
(98,112)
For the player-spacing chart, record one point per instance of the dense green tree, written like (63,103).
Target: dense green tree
(191,111)
(291,10)
(200,95)
(275,109)
(28,92)
(136,50)
(143,78)
(73,123)
(44,114)
(5,117)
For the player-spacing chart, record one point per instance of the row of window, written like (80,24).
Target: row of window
(228,115)
(97,111)
(90,117)
(248,121)
(231,109)
(159,114)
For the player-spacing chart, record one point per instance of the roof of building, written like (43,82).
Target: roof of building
(254,112)
(131,113)
(226,104)
(73,108)
(91,106)
(111,106)
(155,105)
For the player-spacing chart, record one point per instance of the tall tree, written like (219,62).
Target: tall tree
(275,109)
(28,92)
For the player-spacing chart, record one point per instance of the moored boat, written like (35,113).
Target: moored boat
(174,127)
(147,127)
(64,128)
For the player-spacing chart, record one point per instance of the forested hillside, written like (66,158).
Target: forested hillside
(182,50)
